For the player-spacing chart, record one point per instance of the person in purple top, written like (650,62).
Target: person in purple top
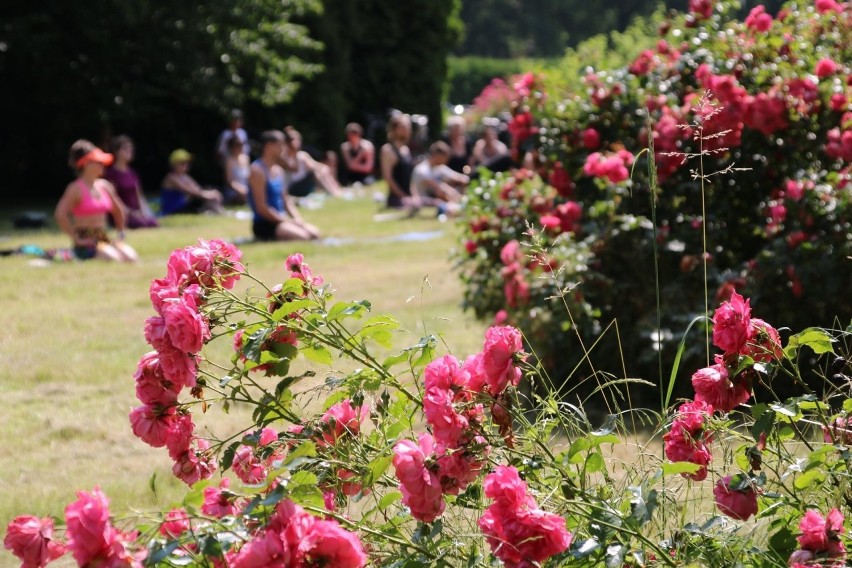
(127,185)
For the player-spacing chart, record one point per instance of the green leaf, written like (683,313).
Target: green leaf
(228,455)
(306,449)
(671,468)
(302,478)
(818,340)
(375,469)
(595,463)
(343,310)
(389,499)
(808,478)
(292,307)
(317,353)
(763,423)
(157,552)
(194,498)
(307,496)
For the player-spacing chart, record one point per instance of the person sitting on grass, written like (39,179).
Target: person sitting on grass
(236,172)
(303,171)
(127,186)
(490,152)
(275,215)
(87,201)
(180,193)
(359,156)
(432,179)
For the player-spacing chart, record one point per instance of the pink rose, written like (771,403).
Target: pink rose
(591,139)
(502,345)
(511,253)
(549,222)
(175,523)
(825,6)
(219,501)
(825,67)
(764,343)
(91,538)
(265,550)
(187,329)
(226,262)
(152,387)
(178,367)
(194,464)
(326,543)
(504,486)
(156,334)
(31,539)
(248,467)
(702,8)
(738,504)
(730,324)
(569,214)
(340,419)
(298,269)
(160,290)
(421,488)
(822,534)
(516,529)
(458,468)
(446,373)
(180,434)
(153,424)
(447,424)
(758,20)
(267,436)
(687,439)
(713,386)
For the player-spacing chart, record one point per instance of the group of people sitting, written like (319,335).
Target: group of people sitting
(107,189)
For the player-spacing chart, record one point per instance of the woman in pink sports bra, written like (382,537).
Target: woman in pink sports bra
(82,210)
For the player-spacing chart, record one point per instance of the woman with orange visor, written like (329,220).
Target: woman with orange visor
(82,211)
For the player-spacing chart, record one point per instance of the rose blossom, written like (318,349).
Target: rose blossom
(266,549)
(340,419)
(91,538)
(152,387)
(825,67)
(175,523)
(821,534)
(839,431)
(738,504)
(764,343)
(152,424)
(502,345)
(179,436)
(187,328)
(31,539)
(447,424)
(219,501)
(194,464)
(248,467)
(687,439)
(730,324)
(516,529)
(713,385)
(178,367)
(326,543)
(421,488)
(758,20)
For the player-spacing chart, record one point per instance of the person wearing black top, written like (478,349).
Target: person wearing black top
(396,161)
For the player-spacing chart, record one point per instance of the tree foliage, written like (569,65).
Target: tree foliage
(87,68)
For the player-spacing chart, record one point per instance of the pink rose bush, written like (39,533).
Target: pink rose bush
(739,106)
(396,459)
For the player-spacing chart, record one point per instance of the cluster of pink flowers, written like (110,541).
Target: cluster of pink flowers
(610,165)
(297,539)
(718,387)
(252,461)
(177,335)
(89,534)
(839,144)
(516,289)
(446,461)
(687,440)
(518,532)
(819,541)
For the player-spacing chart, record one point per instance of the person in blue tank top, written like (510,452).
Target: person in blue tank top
(275,215)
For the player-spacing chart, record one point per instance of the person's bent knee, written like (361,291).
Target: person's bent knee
(108,252)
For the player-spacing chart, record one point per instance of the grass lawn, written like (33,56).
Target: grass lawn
(72,335)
